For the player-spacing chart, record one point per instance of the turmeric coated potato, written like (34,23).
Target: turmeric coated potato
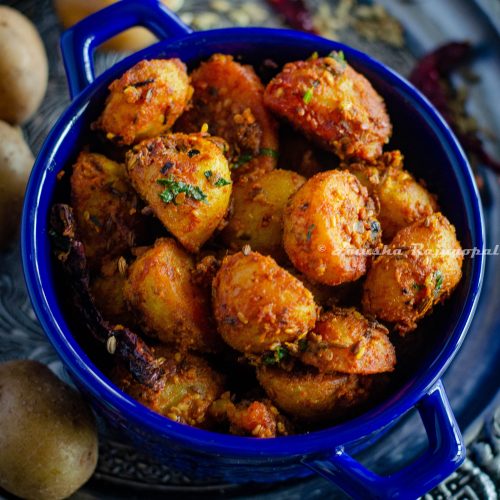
(402,199)
(343,340)
(145,101)
(167,303)
(258,305)
(314,397)
(186,391)
(329,225)
(185,179)
(105,207)
(420,268)
(228,97)
(333,105)
(257,217)
(250,418)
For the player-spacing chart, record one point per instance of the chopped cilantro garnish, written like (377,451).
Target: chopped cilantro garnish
(338,56)
(208,174)
(274,357)
(221,182)
(309,92)
(193,152)
(174,188)
(417,286)
(242,159)
(269,152)
(438,278)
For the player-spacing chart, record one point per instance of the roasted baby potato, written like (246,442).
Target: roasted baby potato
(333,105)
(258,305)
(105,207)
(187,390)
(145,101)
(329,223)
(166,302)
(257,216)
(314,397)
(185,179)
(343,340)
(228,97)
(249,418)
(422,269)
(402,199)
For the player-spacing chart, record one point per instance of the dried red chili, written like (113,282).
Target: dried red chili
(431,76)
(295,14)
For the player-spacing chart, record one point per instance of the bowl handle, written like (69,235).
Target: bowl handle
(446,451)
(78,42)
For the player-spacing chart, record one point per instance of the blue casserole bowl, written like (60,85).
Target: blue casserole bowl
(432,152)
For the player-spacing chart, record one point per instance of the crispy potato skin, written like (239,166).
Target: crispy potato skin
(165,300)
(145,101)
(401,289)
(258,305)
(402,199)
(313,397)
(191,159)
(106,208)
(257,216)
(343,340)
(228,96)
(187,390)
(325,222)
(344,113)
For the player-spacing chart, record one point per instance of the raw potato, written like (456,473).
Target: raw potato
(258,305)
(16,161)
(23,67)
(329,226)
(48,435)
(185,179)
(132,40)
(257,218)
(423,268)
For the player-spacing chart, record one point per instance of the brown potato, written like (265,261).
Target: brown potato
(344,341)
(423,269)
(105,207)
(328,225)
(333,105)
(228,97)
(49,435)
(166,302)
(189,387)
(23,67)
(257,217)
(258,305)
(145,101)
(185,179)
(402,199)
(314,397)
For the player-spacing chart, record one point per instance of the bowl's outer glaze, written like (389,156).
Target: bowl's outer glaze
(431,152)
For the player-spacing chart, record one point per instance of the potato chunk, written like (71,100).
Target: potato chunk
(402,199)
(333,105)
(344,341)
(423,269)
(187,390)
(258,305)
(145,101)
(329,224)
(228,97)
(167,303)
(106,208)
(185,179)
(257,218)
(314,397)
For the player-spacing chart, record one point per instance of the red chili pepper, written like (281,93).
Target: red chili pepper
(295,13)
(430,76)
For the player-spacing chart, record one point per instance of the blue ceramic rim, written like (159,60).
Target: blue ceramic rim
(37,275)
